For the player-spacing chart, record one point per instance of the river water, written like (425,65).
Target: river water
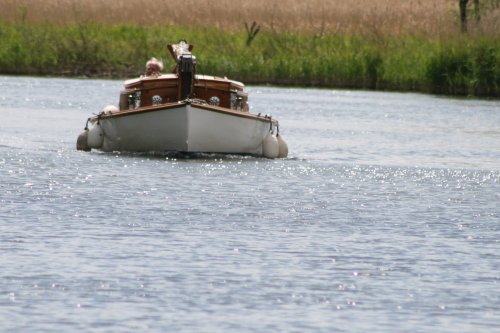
(384,218)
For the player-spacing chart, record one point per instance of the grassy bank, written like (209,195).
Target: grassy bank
(459,65)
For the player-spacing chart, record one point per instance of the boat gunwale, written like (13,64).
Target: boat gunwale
(174,105)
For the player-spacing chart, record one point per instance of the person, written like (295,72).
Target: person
(154,67)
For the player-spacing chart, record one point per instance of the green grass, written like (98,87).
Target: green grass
(460,66)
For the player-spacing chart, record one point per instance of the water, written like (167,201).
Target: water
(385,218)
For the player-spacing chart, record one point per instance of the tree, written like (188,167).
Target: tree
(479,7)
(463,13)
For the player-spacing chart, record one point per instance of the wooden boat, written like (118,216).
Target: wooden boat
(183,112)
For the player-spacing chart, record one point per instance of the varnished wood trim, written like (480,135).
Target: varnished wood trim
(122,113)
(170,106)
(232,112)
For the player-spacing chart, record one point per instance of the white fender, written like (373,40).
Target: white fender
(96,136)
(81,142)
(109,109)
(283,147)
(270,146)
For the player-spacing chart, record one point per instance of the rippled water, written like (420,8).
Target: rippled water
(385,218)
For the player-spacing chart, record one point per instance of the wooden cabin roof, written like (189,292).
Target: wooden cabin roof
(133,82)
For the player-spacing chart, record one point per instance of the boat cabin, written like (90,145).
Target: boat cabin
(166,88)
(155,88)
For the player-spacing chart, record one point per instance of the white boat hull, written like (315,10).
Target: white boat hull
(184,127)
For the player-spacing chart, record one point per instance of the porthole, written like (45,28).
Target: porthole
(214,100)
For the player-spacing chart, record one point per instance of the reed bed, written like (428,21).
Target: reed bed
(319,17)
(378,44)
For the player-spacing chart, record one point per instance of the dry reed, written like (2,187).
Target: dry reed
(360,17)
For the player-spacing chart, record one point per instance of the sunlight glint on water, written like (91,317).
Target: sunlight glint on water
(385,218)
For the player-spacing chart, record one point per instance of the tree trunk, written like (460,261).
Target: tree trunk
(477,11)
(463,15)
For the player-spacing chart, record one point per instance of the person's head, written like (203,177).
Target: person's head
(154,66)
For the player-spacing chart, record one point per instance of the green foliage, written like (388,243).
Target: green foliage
(486,70)
(464,66)
(448,71)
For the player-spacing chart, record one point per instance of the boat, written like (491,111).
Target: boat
(182,112)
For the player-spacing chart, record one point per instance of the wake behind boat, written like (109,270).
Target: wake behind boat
(183,112)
